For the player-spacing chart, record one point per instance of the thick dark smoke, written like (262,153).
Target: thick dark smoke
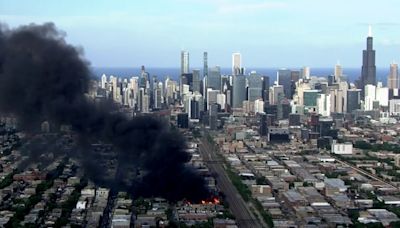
(44,78)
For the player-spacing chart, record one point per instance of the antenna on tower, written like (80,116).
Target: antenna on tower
(369,31)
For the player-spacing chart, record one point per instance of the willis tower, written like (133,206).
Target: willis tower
(368,72)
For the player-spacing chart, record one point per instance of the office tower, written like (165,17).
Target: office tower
(103,81)
(214,78)
(158,97)
(263,124)
(301,86)
(310,99)
(324,104)
(185,90)
(331,80)
(295,75)
(196,81)
(236,63)
(239,91)
(276,92)
(170,90)
(382,95)
(305,72)
(152,85)
(187,79)
(353,100)
(221,100)
(279,106)
(193,104)
(369,97)
(205,64)
(393,79)
(259,106)
(368,71)
(338,72)
(229,97)
(194,111)
(144,78)
(265,88)
(225,83)
(285,80)
(213,116)
(211,97)
(255,85)
(184,62)
(338,100)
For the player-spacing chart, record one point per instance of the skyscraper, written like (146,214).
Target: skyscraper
(393,79)
(285,80)
(236,63)
(205,64)
(338,72)
(214,78)
(370,97)
(353,99)
(196,81)
(103,81)
(239,91)
(265,88)
(255,86)
(305,72)
(276,92)
(368,71)
(184,62)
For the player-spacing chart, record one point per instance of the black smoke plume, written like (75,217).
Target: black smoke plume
(44,78)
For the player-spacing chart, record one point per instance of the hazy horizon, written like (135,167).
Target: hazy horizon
(266,32)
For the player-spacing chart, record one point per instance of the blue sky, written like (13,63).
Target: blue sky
(268,33)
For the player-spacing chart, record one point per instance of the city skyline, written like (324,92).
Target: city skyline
(289,34)
(210,140)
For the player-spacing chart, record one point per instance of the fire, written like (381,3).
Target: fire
(214,200)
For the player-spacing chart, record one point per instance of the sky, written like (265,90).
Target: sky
(268,33)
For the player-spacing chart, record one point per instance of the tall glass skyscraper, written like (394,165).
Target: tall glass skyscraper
(255,86)
(239,91)
(368,71)
(285,80)
(214,78)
